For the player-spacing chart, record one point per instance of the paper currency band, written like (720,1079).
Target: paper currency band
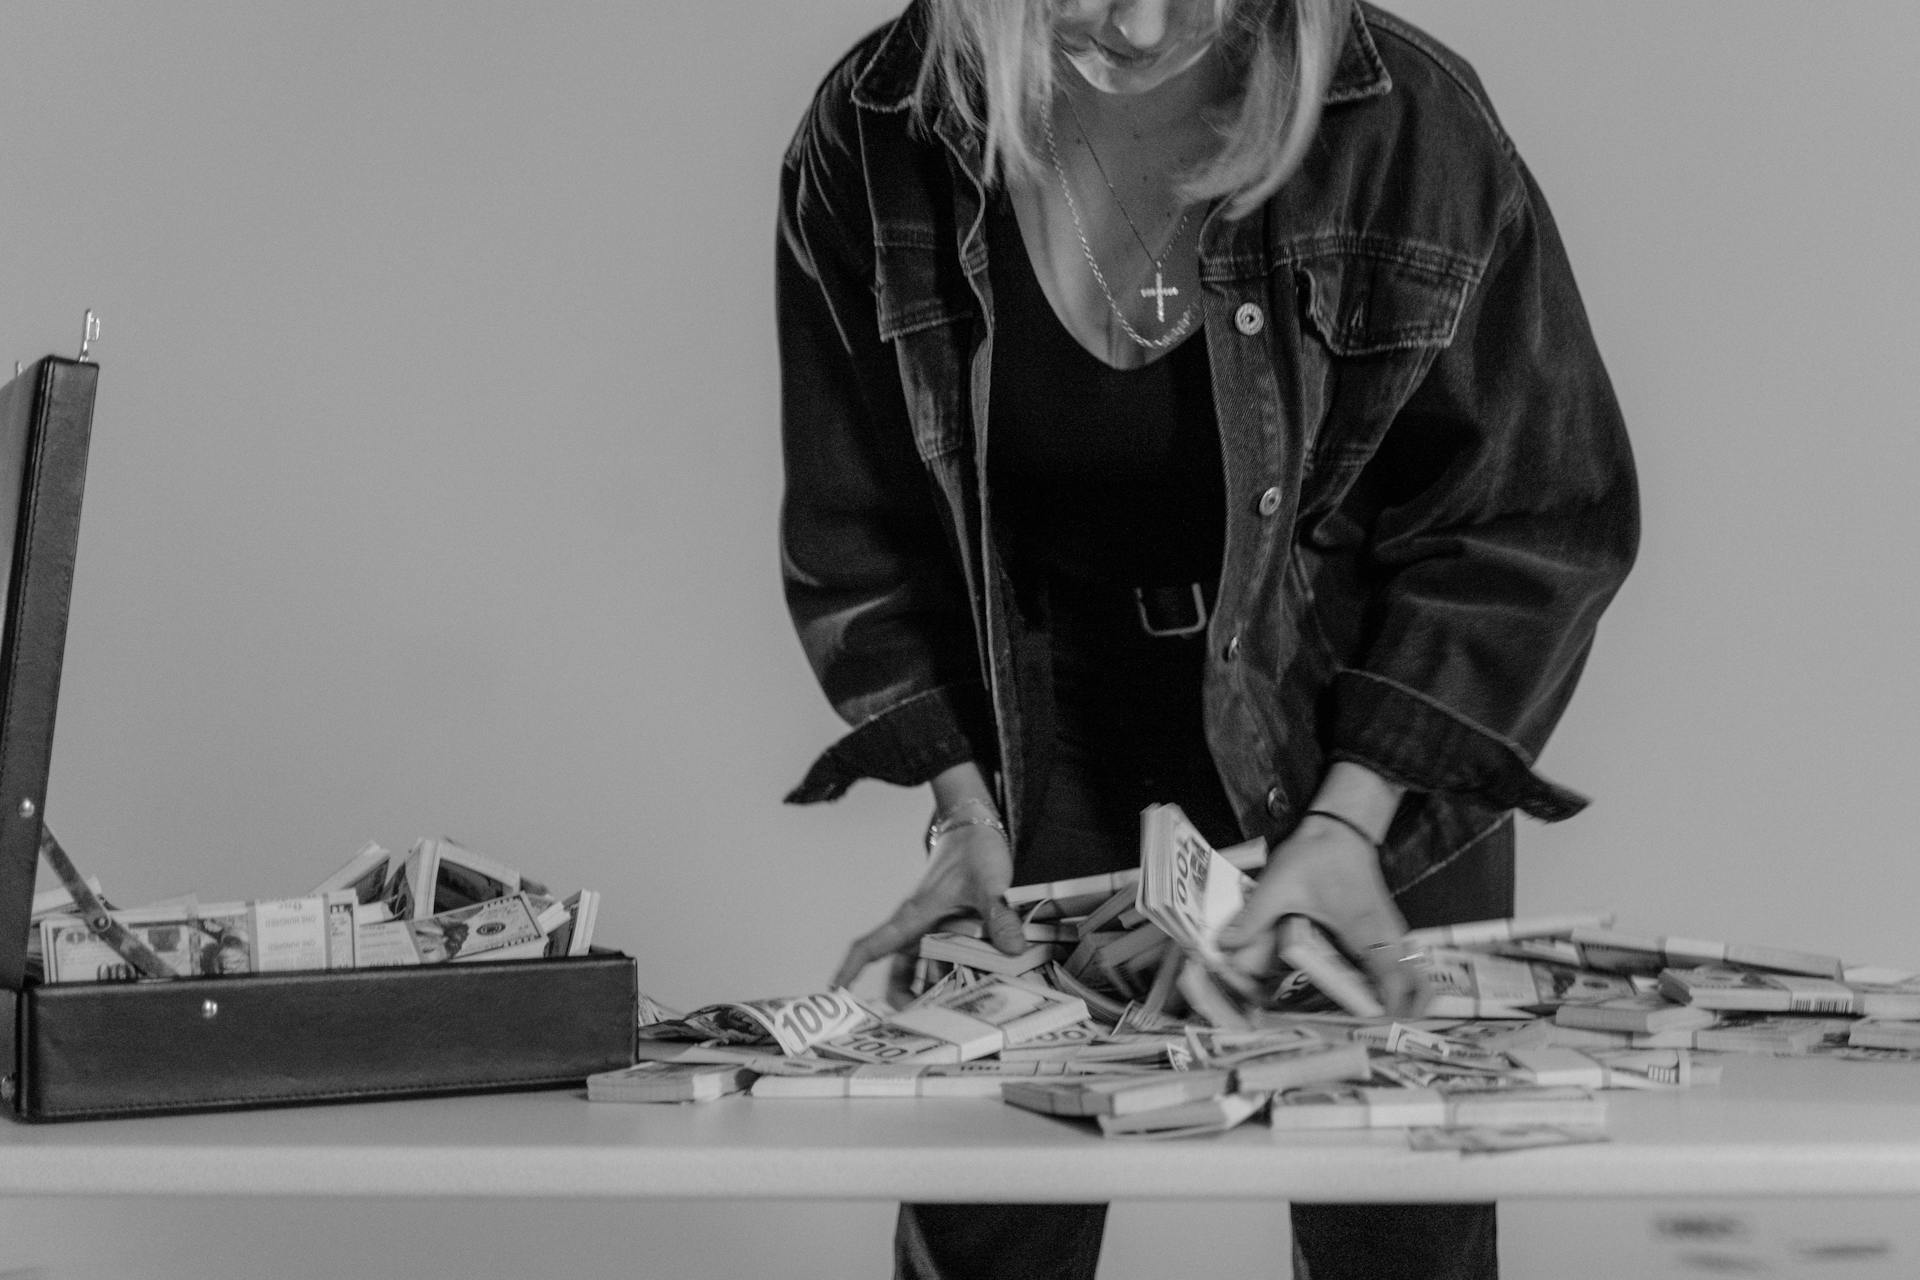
(971,812)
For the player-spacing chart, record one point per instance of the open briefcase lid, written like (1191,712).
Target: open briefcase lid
(46,418)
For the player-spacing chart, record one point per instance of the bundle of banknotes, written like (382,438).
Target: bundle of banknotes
(441,902)
(1123,1013)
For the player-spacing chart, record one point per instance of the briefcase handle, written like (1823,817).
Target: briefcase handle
(100,921)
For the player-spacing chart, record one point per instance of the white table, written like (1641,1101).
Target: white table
(1773,1127)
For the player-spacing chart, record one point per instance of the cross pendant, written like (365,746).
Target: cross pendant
(1160,292)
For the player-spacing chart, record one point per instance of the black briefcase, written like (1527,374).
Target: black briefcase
(84,1050)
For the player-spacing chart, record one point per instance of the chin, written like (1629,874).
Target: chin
(1123,79)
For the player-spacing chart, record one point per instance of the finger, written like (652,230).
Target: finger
(900,975)
(1392,964)
(1419,990)
(865,950)
(1004,929)
(905,927)
(1269,900)
(1259,957)
(851,966)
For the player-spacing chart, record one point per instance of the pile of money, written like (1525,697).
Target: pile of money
(439,903)
(1123,1014)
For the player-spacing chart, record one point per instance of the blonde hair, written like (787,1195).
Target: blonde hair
(992,61)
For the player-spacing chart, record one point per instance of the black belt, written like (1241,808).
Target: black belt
(1161,612)
(1171,611)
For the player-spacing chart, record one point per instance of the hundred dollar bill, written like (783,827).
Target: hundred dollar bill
(1214,1047)
(1414,1042)
(468,933)
(1188,889)
(763,1060)
(1116,1095)
(905,1080)
(1721,987)
(199,941)
(1640,1014)
(795,1023)
(443,875)
(1466,984)
(1185,1119)
(991,1016)
(882,1044)
(668,1082)
(1793,1035)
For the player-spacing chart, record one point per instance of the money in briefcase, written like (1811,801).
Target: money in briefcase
(86,1050)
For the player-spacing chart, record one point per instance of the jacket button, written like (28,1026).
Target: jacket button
(1270,501)
(1249,319)
(1232,650)
(1276,803)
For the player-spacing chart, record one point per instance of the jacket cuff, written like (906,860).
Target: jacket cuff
(907,744)
(1407,737)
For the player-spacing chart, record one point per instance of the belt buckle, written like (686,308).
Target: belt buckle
(1193,628)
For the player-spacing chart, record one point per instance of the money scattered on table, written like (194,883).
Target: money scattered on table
(1123,1015)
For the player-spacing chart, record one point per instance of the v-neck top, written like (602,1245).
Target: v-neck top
(1100,474)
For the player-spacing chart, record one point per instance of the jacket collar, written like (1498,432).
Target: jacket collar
(886,82)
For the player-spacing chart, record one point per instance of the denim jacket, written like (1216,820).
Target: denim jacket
(1430,495)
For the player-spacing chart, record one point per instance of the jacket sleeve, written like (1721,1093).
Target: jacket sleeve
(871,580)
(1508,516)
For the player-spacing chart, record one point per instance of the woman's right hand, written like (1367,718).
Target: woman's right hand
(968,873)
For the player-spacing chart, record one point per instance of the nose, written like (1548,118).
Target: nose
(1142,23)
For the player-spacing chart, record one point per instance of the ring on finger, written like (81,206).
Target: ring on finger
(1407,955)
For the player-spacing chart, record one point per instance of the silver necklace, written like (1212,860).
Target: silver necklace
(1161,290)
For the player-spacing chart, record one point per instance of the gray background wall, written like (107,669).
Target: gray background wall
(434,482)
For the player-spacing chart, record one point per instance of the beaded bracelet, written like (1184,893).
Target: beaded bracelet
(1346,822)
(945,821)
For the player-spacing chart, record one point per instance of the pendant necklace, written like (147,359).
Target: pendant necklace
(1161,290)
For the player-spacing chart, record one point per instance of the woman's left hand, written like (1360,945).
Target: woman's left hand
(1330,874)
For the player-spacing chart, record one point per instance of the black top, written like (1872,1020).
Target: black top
(1099,474)
(1104,479)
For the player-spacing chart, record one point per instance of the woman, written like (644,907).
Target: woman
(1305,491)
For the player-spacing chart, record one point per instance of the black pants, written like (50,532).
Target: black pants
(1126,714)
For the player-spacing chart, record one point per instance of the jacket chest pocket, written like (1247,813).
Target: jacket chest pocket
(1374,322)
(926,311)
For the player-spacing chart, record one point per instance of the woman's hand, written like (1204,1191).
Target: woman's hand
(1331,874)
(968,873)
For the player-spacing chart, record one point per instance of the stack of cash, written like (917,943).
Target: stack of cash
(1123,1014)
(440,903)
(1304,1071)
(1612,990)
(1138,945)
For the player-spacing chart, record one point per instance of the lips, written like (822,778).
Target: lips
(1121,59)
